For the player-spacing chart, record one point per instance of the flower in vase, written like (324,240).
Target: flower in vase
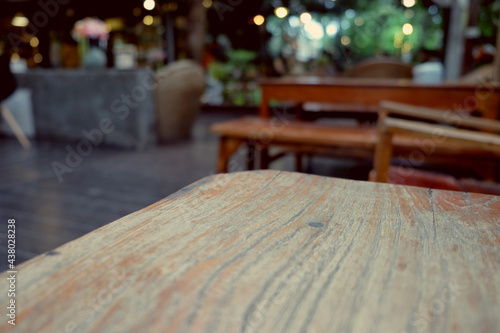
(91,28)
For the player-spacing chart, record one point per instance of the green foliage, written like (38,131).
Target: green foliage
(219,71)
(241,57)
(235,75)
(381,31)
(373,26)
(489,17)
(240,60)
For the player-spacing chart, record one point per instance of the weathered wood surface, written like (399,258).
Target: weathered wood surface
(271,251)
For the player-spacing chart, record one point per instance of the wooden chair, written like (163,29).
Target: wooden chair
(381,68)
(458,135)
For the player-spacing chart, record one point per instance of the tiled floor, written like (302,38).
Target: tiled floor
(108,184)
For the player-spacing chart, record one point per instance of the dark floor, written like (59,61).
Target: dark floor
(108,184)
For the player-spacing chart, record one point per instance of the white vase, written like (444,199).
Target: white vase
(95,57)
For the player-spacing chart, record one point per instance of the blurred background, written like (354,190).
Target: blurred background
(239,41)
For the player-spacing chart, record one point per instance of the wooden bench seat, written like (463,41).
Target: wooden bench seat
(295,136)
(316,138)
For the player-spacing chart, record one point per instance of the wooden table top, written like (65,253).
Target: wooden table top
(270,251)
(372,82)
(367,93)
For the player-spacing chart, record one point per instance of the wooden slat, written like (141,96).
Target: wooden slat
(439,115)
(295,132)
(475,140)
(272,251)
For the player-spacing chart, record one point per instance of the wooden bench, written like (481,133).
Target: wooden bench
(470,135)
(315,138)
(295,136)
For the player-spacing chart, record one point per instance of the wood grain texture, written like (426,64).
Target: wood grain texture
(270,251)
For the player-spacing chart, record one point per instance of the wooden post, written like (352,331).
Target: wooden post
(455,44)
(473,21)
(169,35)
(196,30)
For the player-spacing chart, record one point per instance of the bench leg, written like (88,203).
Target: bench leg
(382,159)
(250,156)
(227,147)
(309,167)
(298,162)
(264,157)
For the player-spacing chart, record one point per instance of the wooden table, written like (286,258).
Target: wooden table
(356,98)
(270,251)
(368,93)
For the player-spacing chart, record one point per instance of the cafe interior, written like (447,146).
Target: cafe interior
(111,107)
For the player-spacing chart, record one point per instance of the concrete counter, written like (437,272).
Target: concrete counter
(108,106)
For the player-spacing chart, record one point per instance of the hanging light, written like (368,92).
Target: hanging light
(149,4)
(20,20)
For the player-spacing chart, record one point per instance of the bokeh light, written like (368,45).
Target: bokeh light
(281,12)
(38,58)
(305,18)
(149,4)
(408,3)
(314,30)
(148,20)
(345,40)
(207,3)
(34,42)
(259,19)
(407,29)
(332,28)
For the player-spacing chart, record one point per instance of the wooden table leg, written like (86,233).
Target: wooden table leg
(227,147)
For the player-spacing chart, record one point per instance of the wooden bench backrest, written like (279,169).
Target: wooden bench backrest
(388,126)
